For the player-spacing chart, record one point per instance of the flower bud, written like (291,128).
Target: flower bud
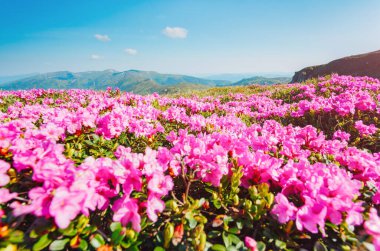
(236,200)
(214,196)
(4,231)
(168,234)
(248,205)
(129,233)
(202,242)
(178,234)
(270,199)
(172,204)
(104,248)
(206,205)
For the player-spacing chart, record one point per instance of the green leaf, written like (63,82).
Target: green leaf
(280,244)
(234,239)
(97,241)
(126,244)
(158,248)
(240,245)
(217,203)
(82,222)
(133,248)
(33,234)
(261,246)
(218,247)
(16,237)
(83,245)
(190,218)
(239,224)
(117,236)
(209,190)
(227,220)
(201,202)
(42,243)
(58,244)
(234,230)
(69,231)
(213,234)
(226,240)
(192,223)
(88,230)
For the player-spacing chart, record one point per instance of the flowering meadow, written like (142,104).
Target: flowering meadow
(288,167)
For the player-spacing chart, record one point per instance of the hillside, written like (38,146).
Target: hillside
(141,82)
(367,64)
(262,81)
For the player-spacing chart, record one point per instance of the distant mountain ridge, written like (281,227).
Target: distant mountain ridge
(367,64)
(136,81)
(142,82)
(262,81)
(234,77)
(5,79)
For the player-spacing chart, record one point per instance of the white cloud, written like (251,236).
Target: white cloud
(175,32)
(95,57)
(103,38)
(131,51)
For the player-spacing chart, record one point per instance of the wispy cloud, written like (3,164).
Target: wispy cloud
(130,51)
(103,38)
(175,32)
(95,57)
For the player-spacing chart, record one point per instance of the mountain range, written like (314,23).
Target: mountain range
(262,81)
(146,82)
(141,82)
(234,77)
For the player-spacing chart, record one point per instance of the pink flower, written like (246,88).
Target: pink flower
(6,196)
(364,129)
(4,178)
(310,216)
(341,135)
(39,206)
(65,206)
(376,197)
(284,210)
(250,243)
(372,226)
(164,156)
(126,210)
(160,184)
(154,206)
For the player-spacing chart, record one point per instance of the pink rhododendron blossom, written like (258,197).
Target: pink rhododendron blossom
(4,178)
(311,217)
(126,210)
(160,184)
(372,226)
(283,209)
(341,135)
(250,243)
(65,206)
(364,129)
(6,196)
(154,206)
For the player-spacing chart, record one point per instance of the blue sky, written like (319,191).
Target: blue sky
(187,36)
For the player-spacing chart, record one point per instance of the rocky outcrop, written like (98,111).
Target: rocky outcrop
(367,64)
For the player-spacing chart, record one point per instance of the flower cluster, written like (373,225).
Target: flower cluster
(110,169)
